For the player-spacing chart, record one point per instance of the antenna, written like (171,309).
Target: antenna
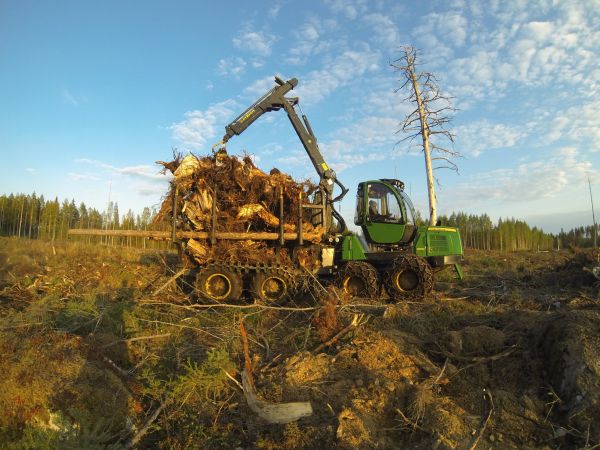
(593,213)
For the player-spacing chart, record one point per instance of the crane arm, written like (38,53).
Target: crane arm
(274,100)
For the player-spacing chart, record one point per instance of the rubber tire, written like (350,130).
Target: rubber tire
(411,266)
(361,272)
(234,280)
(258,286)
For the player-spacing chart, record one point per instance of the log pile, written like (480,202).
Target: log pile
(239,198)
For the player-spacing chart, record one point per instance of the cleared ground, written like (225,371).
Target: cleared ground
(508,358)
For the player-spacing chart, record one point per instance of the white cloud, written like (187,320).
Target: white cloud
(557,127)
(449,28)
(83,176)
(271,149)
(579,124)
(583,124)
(540,31)
(308,40)
(511,47)
(348,8)
(274,10)
(142,171)
(150,190)
(71,99)
(31,170)
(383,28)
(368,139)
(482,135)
(232,66)
(340,71)
(529,181)
(260,86)
(199,126)
(257,42)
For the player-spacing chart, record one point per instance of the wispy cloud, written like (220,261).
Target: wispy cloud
(340,71)
(31,170)
(83,176)
(143,171)
(150,190)
(198,126)
(257,42)
(579,123)
(519,50)
(71,99)
(529,181)
(348,8)
(483,135)
(368,139)
(309,41)
(384,29)
(260,86)
(232,66)
(274,9)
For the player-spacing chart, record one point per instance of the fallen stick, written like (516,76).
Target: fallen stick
(479,359)
(340,334)
(247,362)
(188,327)
(31,324)
(139,338)
(173,278)
(225,305)
(140,434)
(488,403)
(281,413)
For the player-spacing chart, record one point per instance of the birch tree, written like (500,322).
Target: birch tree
(428,120)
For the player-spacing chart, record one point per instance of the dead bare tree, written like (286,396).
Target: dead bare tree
(429,119)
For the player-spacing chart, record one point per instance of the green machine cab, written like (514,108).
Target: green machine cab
(395,251)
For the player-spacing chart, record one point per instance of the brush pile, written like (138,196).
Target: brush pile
(245,200)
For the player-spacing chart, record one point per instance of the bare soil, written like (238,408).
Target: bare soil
(507,358)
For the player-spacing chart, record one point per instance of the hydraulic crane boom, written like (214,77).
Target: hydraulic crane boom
(274,100)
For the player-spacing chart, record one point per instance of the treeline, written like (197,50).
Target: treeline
(579,237)
(479,232)
(33,217)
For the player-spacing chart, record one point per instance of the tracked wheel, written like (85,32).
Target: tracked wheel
(409,277)
(272,286)
(218,284)
(358,279)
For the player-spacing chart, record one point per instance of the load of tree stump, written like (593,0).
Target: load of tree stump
(230,198)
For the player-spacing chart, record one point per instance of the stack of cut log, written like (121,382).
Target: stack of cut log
(238,198)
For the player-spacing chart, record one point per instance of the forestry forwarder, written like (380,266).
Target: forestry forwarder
(394,253)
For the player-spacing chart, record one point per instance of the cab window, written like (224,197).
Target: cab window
(358,214)
(382,205)
(410,210)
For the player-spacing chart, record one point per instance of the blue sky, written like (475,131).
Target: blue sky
(92,93)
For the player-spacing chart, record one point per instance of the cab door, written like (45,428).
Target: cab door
(385,217)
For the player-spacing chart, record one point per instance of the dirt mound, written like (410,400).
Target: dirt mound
(476,340)
(577,270)
(529,381)
(571,349)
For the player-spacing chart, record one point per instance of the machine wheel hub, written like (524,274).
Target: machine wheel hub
(218,286)
(274,288)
